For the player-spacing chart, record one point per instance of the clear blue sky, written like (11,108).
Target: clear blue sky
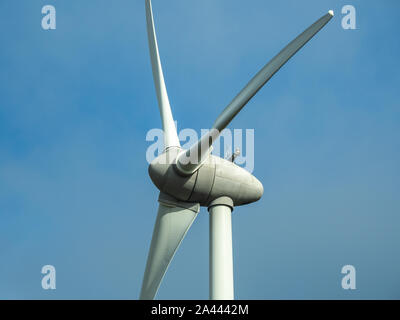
(76,104)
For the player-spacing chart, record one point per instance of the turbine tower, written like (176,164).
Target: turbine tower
(189,179)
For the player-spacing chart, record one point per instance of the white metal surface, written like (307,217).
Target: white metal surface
(216,178)
(200,149)
(221,259)
(221,182)
(170,135)
(172,224)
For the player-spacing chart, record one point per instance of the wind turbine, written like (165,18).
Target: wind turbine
(188,179)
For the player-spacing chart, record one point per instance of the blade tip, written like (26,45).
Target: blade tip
(331,13)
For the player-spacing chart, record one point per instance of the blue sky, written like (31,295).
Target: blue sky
(76,104)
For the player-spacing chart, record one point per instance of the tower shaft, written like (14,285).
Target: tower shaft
(221,259)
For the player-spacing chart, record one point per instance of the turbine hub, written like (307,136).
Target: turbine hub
(216,178)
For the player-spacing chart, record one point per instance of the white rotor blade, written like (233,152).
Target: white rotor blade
(171,226)
(192,159)
(170,135)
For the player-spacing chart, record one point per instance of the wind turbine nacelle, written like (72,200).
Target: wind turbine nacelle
(215,178)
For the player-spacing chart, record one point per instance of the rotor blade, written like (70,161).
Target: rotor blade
(192,159)
(170,135)
(174,219)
